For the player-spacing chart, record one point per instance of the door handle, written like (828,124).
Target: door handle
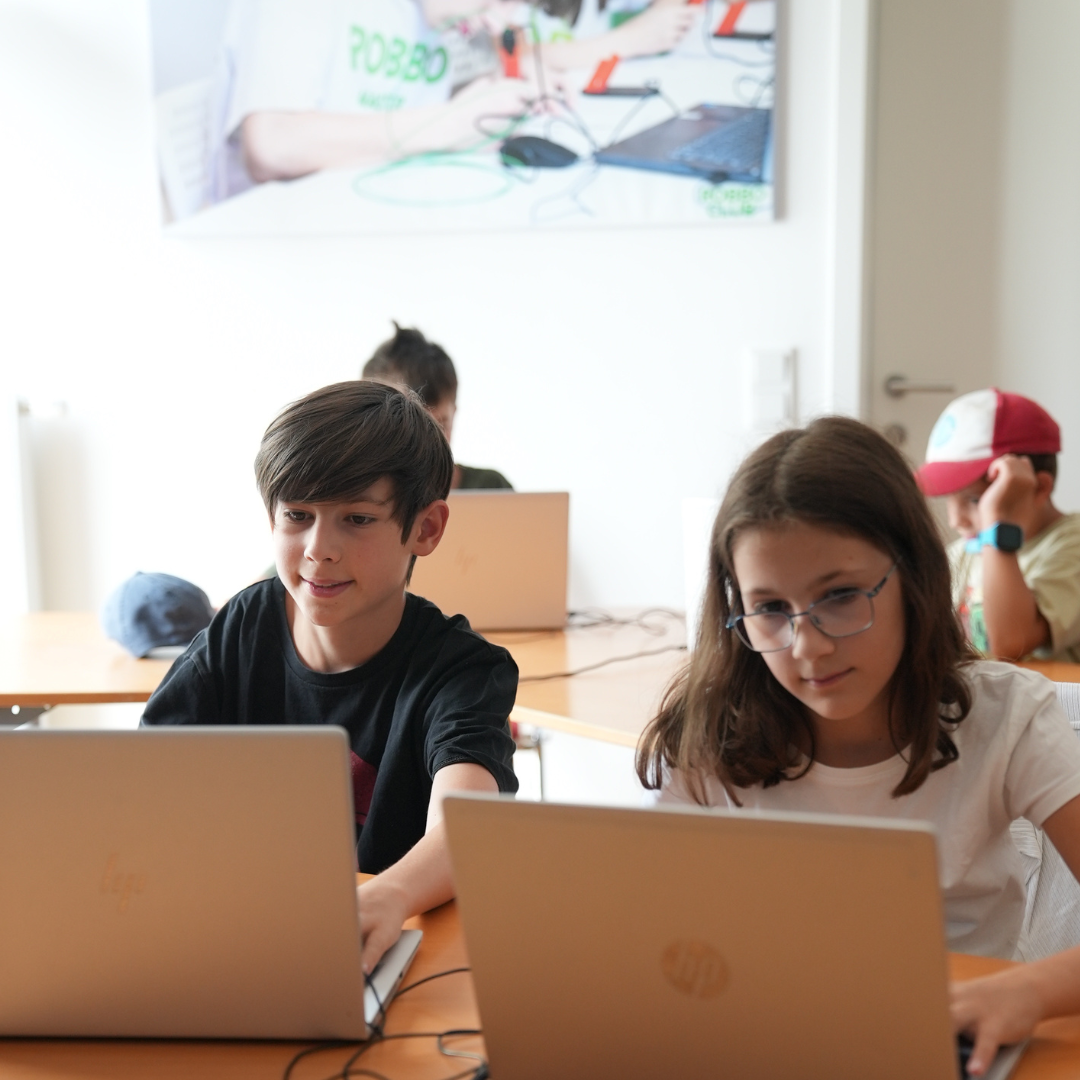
(897,386)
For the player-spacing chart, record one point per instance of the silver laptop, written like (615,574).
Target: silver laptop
(188,882)
(702,944)
(502,561)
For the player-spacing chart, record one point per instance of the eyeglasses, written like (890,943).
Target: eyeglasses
(841,614)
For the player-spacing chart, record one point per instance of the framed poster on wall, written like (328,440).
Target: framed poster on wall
(413,116)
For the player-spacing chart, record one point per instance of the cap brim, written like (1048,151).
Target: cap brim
(945,477)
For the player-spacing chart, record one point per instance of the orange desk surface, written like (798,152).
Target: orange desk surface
(64,658)
(1054,1053)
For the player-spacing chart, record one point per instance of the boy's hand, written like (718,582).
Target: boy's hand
(1011,494)
(994,1011)
(383,909)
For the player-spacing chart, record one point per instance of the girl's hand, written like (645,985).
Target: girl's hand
(656,30)
(994,1011)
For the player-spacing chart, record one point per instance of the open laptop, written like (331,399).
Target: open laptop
(713,142)
(188,882)
(703,944)
(502,561)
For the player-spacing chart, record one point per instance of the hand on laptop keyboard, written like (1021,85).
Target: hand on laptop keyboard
(382,911)
(994,1011)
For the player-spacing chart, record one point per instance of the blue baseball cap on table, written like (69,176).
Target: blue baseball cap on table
(152,611)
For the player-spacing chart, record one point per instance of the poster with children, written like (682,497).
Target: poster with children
(414,116)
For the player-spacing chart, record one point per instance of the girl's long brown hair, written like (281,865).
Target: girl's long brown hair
(725,715)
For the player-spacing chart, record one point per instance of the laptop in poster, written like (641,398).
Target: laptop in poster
(183,883)
(716,143)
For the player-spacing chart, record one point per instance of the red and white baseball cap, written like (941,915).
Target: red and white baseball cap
(978,428)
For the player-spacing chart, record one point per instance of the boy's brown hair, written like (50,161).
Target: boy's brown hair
(332,445)
(725,714)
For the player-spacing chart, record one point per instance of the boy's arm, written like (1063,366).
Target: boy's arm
(1014,625)
(1004,1008)
(421,879)
(656,30)
(184,696)
(281,145)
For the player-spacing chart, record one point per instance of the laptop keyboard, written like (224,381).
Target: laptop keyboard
(736,148)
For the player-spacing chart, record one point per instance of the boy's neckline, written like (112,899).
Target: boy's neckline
(301,664)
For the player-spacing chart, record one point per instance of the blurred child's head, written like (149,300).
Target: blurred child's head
(835,490)
(972,432)
(409,359)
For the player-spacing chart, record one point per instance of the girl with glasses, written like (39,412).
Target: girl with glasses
(831,674)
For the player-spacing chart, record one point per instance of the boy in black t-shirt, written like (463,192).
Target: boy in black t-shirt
(355,478)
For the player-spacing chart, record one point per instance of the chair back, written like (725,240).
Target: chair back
(1052,916)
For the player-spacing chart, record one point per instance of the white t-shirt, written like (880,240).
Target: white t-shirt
(1018,758)
(350,56)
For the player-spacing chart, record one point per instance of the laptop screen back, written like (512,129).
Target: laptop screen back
(502,562)
(638,944)
(192,882)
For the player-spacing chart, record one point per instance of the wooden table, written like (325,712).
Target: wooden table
(1055,670)
(435,1006)
(1054,1054)
(64,658)
(612,703)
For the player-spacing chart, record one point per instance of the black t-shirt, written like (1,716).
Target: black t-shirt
(435,695)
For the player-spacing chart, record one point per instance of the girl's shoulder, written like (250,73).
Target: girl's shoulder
(994,680)
(1005,701)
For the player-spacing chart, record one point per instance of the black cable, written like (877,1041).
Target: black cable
(600,664)
(377,1024)
(590,618)
(428,978)
(348,1069)
(318,1048)
(469,1055)
(378,1034)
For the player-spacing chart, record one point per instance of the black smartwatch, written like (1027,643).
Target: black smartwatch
(1003,535)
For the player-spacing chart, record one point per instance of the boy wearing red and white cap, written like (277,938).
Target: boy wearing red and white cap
(1016,566)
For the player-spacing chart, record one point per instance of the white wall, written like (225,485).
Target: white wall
(608,364)
(1039,273)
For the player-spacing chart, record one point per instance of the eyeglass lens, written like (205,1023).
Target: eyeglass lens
(835,616)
